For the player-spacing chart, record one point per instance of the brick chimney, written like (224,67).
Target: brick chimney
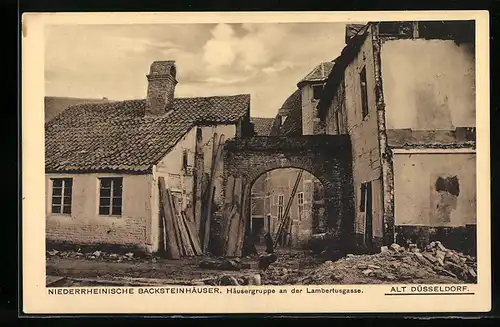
(161,87)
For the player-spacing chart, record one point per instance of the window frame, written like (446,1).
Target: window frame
(300,204)
(362,198)
(112,197)
(185,160)
(337,121)
(363,83)
(314,88)
(62,196)
(281,205)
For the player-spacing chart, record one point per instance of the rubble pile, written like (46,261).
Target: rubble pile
(95,255)
(434,264)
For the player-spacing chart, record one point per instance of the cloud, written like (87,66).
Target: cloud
(264,60)
(277,67)
(253,50)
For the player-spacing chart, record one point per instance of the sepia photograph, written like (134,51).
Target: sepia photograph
(260,154)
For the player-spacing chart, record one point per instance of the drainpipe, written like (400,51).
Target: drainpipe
(385,152)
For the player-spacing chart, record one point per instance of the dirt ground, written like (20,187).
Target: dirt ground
(434,265)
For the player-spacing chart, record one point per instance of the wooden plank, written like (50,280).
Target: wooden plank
(163,223)
(285,217)
(193,237)
(208,214)
(183,233)
(197,180)
(175,223)
(234,218)
(242,222)
(227,208)
(172,247)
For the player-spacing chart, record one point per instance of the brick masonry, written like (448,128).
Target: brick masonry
(85,226)
(327,157)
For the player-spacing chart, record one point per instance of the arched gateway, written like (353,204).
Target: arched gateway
(327,157)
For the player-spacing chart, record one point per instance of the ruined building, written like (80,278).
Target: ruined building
(405,94)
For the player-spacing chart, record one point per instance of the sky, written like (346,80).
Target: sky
(263,60)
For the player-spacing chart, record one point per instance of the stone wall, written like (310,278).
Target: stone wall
(326,157)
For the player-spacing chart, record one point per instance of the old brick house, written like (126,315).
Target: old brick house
(404,93)
(103,160)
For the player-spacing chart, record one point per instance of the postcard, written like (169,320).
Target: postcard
(263,162)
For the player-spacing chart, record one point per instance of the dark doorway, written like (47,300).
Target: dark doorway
(366,188)
(258,231)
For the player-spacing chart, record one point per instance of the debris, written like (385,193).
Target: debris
(129,255)
(97,254)
(228,280)
(413,248)
(395,247)
(224,264)
(266,259)
(440,257)
(384,249)
(430,257)
(53,252)
(255,280)
(373,267)
(367,272)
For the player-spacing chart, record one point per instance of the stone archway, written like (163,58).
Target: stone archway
(327,157)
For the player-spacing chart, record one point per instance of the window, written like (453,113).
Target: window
(184,159)
(362,202)
(365,198)
(337,121)
(281,201)
(317,90)
(364,92)
(110,196)
(61,195)
(300,204)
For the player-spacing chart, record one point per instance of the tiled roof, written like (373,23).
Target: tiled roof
(294,101)
(262,126)
(292,109)
(55,105)
(116,136)
(318,74)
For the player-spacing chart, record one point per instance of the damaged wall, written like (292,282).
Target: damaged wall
(435,189)
(428,84)
(86,226)
(364,136)
(308,110)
